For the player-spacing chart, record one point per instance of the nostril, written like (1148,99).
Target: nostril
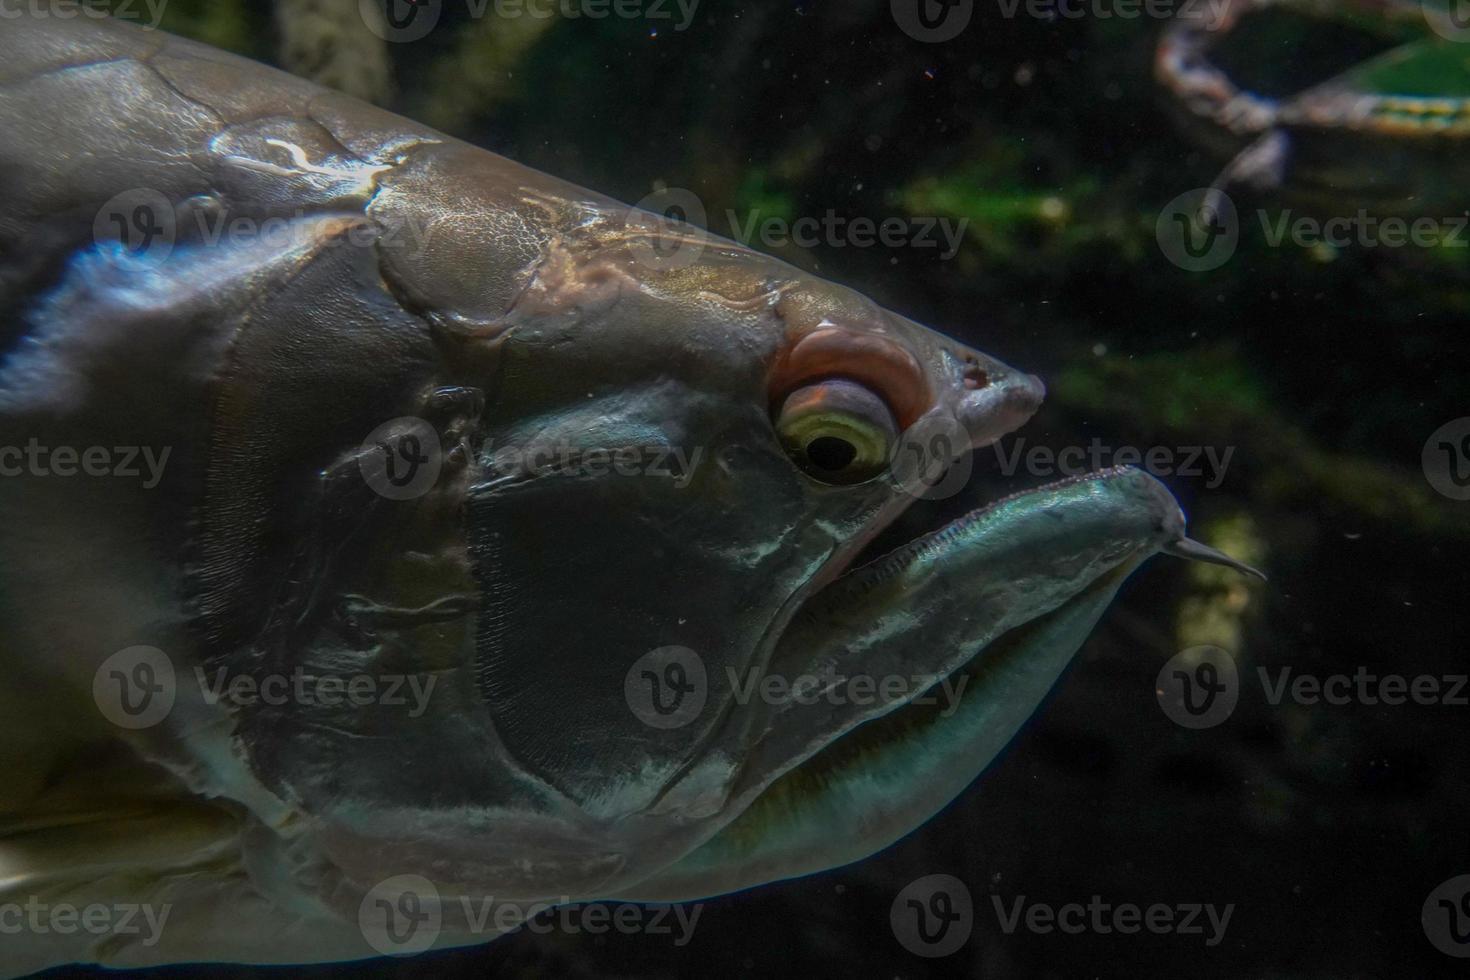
(974,375)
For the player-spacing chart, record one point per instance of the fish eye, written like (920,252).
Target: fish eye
(837,431)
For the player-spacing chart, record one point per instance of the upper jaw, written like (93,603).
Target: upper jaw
(1003,404)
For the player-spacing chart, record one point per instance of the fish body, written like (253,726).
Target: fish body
(377,507)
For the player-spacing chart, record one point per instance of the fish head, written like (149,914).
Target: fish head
(655,670)
(679,451)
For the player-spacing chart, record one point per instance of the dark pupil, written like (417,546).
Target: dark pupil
(830,453)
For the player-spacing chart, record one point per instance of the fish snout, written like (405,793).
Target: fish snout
(996,399)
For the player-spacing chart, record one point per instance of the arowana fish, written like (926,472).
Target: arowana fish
(383,523)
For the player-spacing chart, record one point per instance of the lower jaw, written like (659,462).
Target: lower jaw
(926,717)
(886,778)
(998,601)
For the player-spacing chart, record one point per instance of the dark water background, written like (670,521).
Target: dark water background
(1323,371)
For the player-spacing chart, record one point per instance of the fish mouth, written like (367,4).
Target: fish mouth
(970,626)
(910,617)
(1088,532)
(895,547)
